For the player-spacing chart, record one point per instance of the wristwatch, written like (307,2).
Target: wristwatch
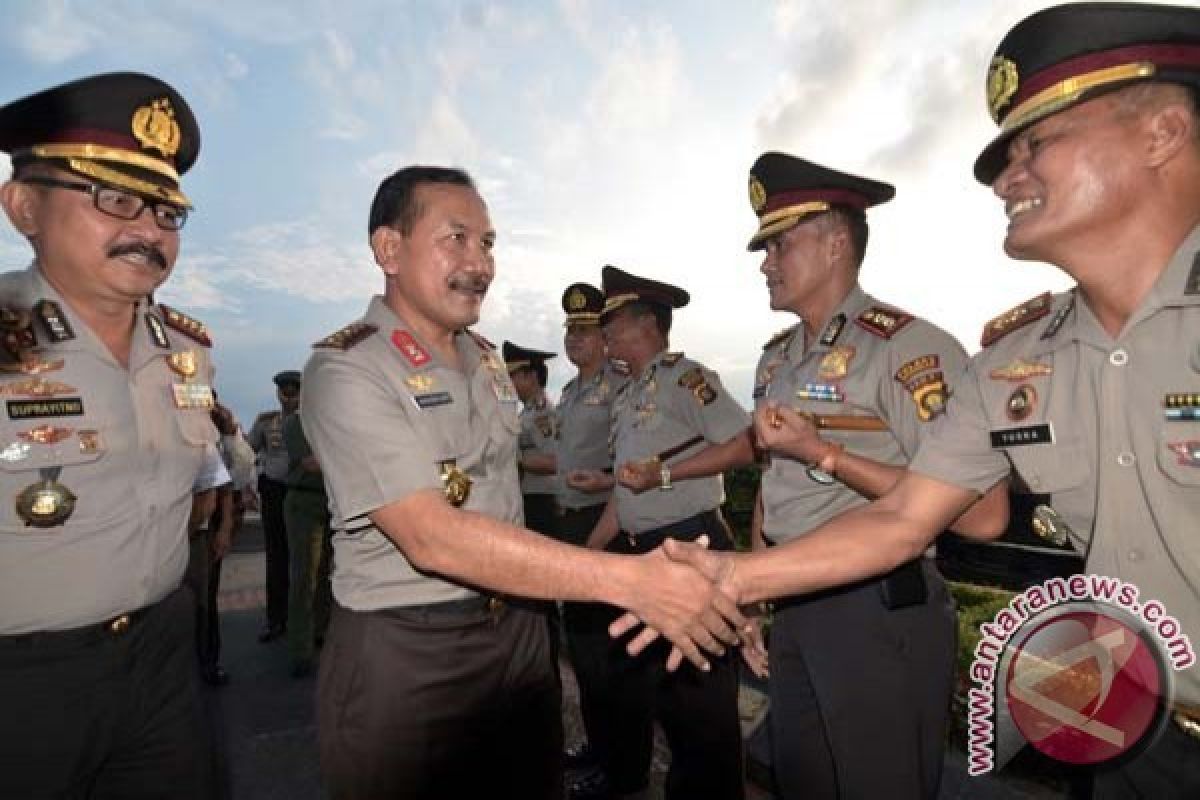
(664,476)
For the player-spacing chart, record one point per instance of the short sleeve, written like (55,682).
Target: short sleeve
(710,410)
(361,432)
(925,366)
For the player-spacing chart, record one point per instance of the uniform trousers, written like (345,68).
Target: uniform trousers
(453,702)
(105,711)
(271,494)
(540,512)
(203,578)
(588,642)
(860,695)
(697,710)
(310,553)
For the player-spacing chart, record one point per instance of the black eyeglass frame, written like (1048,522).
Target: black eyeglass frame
(173,212)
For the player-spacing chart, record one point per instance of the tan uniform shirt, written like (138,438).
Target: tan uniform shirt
(538,435)
(672,401)
(1083,417)
(382,416)
(870,361)
(266,437)
(126,452)
(584,425)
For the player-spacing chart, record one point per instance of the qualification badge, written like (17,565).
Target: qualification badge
(47,503)
(189,395)
(456,484)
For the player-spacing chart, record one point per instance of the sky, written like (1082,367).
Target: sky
(598,132)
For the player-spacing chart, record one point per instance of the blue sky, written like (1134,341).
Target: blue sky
(617,132)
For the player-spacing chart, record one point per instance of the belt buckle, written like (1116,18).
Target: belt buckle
(632,539)
(118,625)
(494,606)
(1188,724)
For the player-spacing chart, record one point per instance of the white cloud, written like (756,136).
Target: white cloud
(301,259)
(56,33)
(235,67)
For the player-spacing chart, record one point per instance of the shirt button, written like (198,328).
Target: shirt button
(1126,459)
(1118,358)
(1135,555)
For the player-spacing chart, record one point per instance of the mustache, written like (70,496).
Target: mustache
(469,282)
(149,251)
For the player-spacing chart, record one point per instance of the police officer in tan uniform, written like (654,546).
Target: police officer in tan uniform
(1089,396)
(536,441)
(585,483)
(672,406)
(431,684)
(105,428)
(860,677)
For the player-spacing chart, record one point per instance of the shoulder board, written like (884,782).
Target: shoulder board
(999,327)
(883,322)
(671,359)
(480,340)
(265,415)
(347,337)
(192,328)
(784,334)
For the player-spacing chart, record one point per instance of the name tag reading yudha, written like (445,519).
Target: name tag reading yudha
(1017,437)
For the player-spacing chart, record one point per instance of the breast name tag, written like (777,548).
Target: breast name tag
(190,396)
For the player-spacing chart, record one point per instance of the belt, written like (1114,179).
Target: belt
(689,529)
(112,628)
(562,510)
(463,607)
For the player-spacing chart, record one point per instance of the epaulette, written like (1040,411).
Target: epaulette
(883,322)
(480,340)
(265,415)
(786,333)
(671,359)
(192,328)
(347,337)
(999,327)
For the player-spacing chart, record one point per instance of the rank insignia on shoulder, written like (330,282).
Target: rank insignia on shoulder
(695,381)
(671,359)
(1019,370)
(192,328)
(920,364)
(784,335)
(53,319)
(347,337)
(883,322)
(836,363)
(999,327)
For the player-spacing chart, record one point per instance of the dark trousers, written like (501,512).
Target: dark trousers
(203,578)
(96,714)
(588,642)
(311,553)
(540,513)
(860,695)
(271,495)
(1169,769)
(442,704)
(698,711)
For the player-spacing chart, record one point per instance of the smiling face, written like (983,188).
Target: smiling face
(439,273)
(1070,180)
(88,256)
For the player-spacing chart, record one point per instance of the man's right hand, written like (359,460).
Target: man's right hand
(589,481)
(675,600)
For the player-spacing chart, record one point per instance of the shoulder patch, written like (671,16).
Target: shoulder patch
(694,381)
(192,328)
(347,337)
(883,322)
(671,359)
(783,335)
(999,327)
(483,343)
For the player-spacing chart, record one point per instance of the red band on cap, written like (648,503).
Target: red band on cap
(1162,55)
(94,136)
(839,197)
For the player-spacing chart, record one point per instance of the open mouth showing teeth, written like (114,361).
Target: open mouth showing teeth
(1021,206)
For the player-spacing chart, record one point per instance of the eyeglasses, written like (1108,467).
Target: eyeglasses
(119,204)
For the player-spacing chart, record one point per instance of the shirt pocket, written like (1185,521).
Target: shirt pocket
(48,444)
(1051,468)
(196,427)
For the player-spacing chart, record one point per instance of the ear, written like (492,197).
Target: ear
(385,245)
(1170,129)
(837,242)
(20,203)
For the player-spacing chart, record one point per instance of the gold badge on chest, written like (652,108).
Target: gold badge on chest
(836,363)
(47,503)
(189,395)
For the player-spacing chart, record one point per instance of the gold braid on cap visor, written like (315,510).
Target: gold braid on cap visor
(1062,94)
(102,153)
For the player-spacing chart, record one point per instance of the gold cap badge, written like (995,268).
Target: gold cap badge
(758,195)
(154,127)
(1002,82)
